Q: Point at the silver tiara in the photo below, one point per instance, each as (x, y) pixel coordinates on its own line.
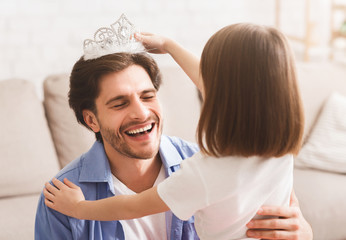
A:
(118, 38)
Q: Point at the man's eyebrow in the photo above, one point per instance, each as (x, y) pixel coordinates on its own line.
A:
(115, 99)
(149, 91)
(120, 97)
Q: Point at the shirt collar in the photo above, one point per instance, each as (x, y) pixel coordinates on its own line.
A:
(170, 157)
(96, 168)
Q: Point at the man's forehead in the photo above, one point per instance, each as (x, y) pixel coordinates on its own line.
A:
(130, 75)
(131, 80)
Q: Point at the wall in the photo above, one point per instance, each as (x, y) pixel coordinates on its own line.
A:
(41, 37)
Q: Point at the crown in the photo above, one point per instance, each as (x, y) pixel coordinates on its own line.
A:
(118, 38)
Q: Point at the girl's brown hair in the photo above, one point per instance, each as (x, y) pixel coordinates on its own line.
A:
(252, 103)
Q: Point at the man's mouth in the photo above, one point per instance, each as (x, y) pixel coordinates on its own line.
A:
(141, 131)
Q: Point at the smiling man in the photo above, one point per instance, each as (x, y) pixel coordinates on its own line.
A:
(128, 117)
(115, 97)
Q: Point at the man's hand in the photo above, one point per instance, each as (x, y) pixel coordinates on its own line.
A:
(290, 224)
(63, 198)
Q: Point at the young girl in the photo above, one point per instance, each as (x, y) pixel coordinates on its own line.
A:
(250, 125)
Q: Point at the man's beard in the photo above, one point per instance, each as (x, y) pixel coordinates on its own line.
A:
(119, 144)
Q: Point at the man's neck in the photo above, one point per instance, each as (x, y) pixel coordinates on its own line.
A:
(137, 174)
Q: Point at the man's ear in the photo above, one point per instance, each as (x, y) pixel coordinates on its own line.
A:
(91, 120)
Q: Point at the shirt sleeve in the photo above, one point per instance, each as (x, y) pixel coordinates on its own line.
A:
(184, 191)
(50, 224)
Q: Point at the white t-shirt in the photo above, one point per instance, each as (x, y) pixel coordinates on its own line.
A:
(225, 193)
(150, 227)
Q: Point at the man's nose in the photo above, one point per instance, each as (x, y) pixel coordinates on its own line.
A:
(139, 110)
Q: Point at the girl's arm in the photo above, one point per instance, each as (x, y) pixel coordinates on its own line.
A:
(69, 200)
(186, 60)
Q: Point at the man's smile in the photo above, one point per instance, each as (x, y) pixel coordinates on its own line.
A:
(141, 130)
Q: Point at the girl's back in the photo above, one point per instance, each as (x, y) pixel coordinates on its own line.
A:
(233, 189)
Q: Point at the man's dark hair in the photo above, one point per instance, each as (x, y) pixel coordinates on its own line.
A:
(86, 75)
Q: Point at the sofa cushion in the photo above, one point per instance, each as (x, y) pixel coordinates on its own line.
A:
(70, 138)
(325, 148)
(18, 217)
(28, 157)
(322, 200)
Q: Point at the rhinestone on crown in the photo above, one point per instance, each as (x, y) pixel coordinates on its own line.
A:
(118, 38)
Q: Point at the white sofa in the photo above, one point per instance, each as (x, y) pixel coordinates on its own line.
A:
(38, 139)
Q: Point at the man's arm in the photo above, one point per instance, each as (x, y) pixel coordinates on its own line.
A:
(291, 223)
(50, 224)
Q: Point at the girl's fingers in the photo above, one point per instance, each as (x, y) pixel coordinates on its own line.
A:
(70, 184)
(145, 34)
(49, 196)
(47, 202)
(58, 183)
(138, 36)
(142, 36)
(145, 38)
(52, 189)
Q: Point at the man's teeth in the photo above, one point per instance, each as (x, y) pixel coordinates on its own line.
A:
(140, 130)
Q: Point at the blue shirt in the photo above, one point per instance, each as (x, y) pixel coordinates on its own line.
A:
(92, 173)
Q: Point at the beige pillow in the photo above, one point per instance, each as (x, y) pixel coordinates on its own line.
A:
(325, 148)
(28, 157)
(316, 82)
(70, 138)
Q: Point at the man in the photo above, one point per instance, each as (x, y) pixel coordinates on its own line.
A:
(115, 96)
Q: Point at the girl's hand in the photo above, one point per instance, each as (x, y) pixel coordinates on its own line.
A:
(62, 197)
(186, 60)
(153, 43)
